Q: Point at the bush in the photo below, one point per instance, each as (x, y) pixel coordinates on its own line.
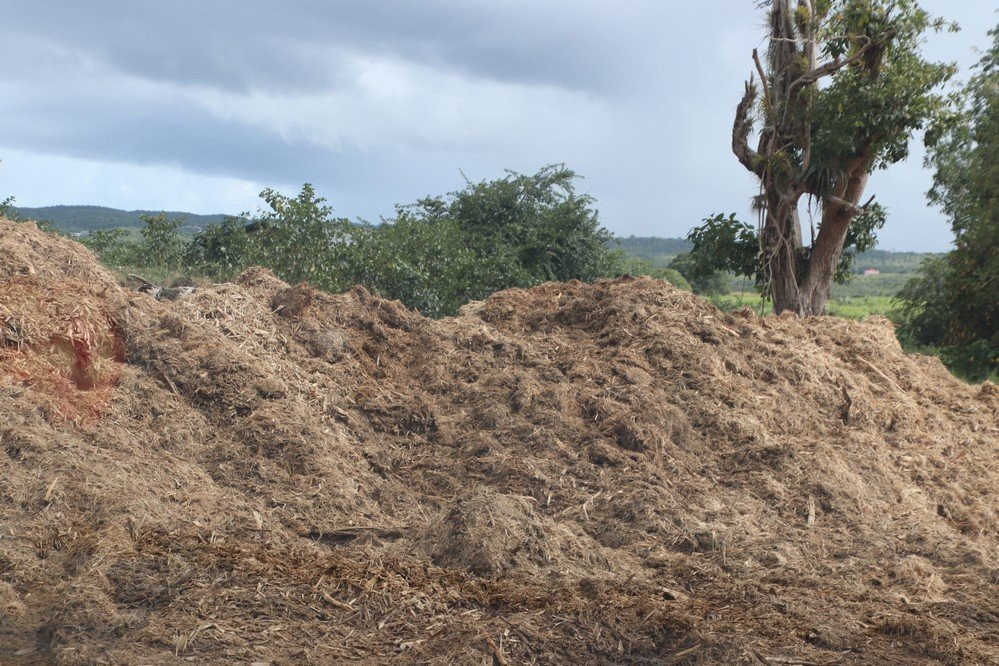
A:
(434, 255)
(704, 281)
(162, 245)
(220, 251)
(110, 246)
(300, 239)
(516, 231)
(425, 263)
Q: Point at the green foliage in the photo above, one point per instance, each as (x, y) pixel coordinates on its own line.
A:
(7, 208)
(161, 245)
(954, 303)
(674, 277)
(844, 89)
(424, 262)
(516, 231)
(158, 245)
(435, 255)
(871, 108)
(300, 239)
(703, 282)
(220, 251)
(737, 300)
(526, 229)
(848, 307)
(977, 360)
(923, 308)
(110, 246)
(728, 245)
(860, 237)
(860, 307)
(723, 244)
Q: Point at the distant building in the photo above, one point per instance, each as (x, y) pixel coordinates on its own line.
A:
(871, 271)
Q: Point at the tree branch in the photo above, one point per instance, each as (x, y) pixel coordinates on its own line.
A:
(741, 128)
(830, 67)
(766, 91)
(847, 208)
(826, 69)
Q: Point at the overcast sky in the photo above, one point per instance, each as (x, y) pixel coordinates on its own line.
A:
(198, 105)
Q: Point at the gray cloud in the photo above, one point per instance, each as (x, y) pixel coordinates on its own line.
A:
(288, 46)
(380, 102)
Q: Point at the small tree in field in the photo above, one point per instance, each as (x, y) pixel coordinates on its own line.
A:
(7, 208)
(162, 245)
(841, 89)
(300, 239)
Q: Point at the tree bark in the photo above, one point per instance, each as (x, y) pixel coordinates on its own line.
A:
(838, 212)
(782, 248)
(800, 278)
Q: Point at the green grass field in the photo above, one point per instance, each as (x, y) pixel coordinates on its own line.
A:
(850, 307)
(885, 284)
(862, 296)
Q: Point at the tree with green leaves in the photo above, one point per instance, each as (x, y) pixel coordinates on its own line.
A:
(525, 229)
(300, 239)
(162, 244)
(220, 251)
(954, 302)
(425, 263)
(841, 89)
(516, 231)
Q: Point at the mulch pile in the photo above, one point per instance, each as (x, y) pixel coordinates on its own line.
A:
(575, 473)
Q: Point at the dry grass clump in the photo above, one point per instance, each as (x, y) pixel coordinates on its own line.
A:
(605, 473)
(919, 578)
(490, 534)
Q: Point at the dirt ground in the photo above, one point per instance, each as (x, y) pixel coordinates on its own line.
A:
(575, 473)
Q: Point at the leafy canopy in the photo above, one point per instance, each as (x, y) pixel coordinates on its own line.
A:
(161, 244)
(954, 303)
(434, 255)
(874, 105)
(876, 90)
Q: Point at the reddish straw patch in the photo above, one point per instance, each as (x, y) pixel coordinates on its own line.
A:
(58, 338)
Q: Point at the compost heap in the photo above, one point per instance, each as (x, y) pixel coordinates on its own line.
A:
(574, 473)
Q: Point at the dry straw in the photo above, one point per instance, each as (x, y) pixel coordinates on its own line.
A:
(573, 473)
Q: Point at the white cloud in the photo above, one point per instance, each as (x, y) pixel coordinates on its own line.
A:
(33, 177)
(390, 103)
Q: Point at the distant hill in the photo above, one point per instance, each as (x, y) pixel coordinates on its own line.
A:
(660, 251)
(887, 261)
(81, 219)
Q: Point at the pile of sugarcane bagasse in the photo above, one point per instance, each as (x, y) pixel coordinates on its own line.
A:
(614, 472)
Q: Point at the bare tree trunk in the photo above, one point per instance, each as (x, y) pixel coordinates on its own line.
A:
(838, 212)
(782, 250)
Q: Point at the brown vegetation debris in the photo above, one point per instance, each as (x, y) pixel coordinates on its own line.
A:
(575, 473)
